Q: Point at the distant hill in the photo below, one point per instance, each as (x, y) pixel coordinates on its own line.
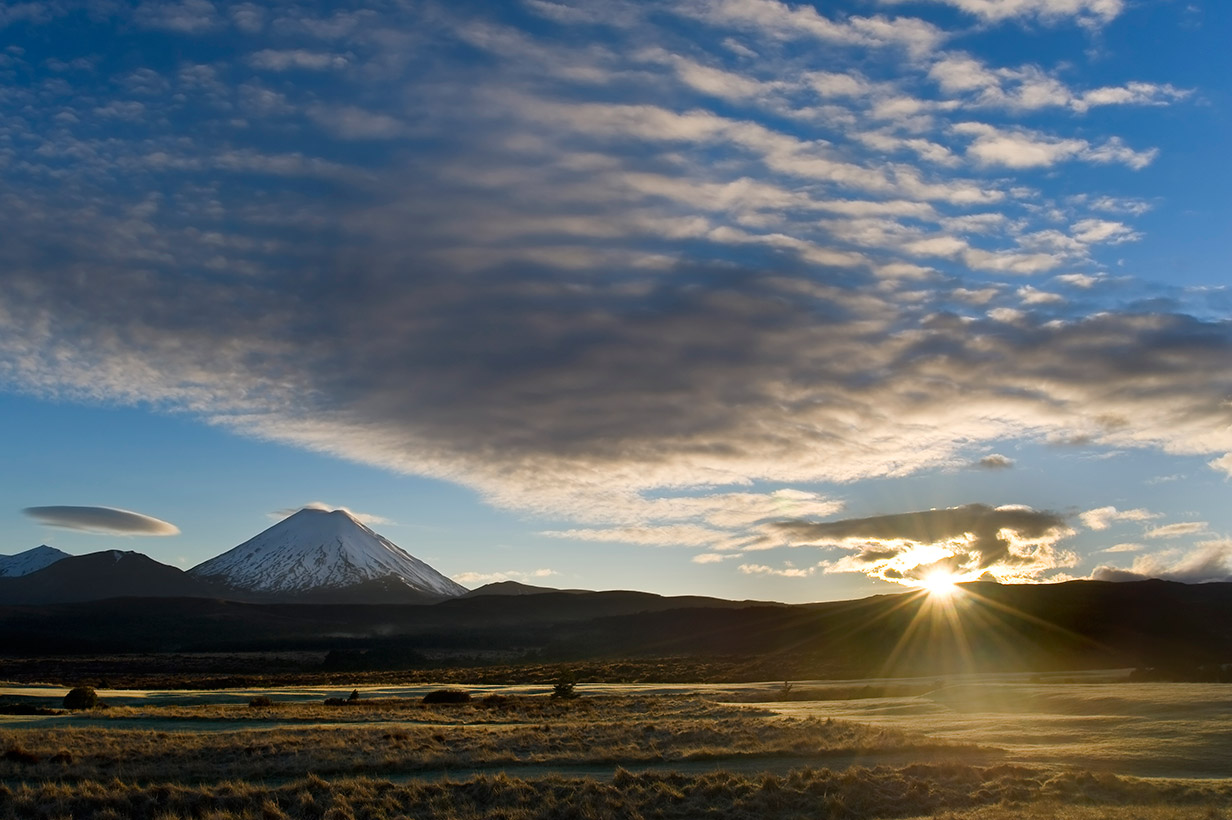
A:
(99, 575)
(508, 588)
(32, 560)
(991, 627)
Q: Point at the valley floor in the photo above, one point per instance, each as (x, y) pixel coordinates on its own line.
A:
(514, 754)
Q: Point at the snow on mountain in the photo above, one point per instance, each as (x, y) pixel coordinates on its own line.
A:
(315, 550)
(32, 560)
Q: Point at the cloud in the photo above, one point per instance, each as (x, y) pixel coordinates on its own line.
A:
(714, 557)
(1103, 517)
(478, 579)
(301, 59)
(634, 286)
(1021, 148)
(101, 520)
(363, 518)
(787, 571)
(1223, 463)
(1211, 561)
(185, 17)
(659, 536)
(968, 542)
(1176, 530)
(1086, 12)
(995, 461)
(1029, 87)
(783, 21)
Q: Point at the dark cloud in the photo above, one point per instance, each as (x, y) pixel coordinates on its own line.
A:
(968, 542)
(105, 520)
(560, 296)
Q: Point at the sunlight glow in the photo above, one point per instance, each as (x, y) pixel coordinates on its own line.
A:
(939, 584)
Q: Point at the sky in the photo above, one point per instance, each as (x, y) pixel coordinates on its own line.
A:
(744, 298)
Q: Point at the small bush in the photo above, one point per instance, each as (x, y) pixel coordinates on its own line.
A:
(82, 697)
(354, 695)
(447, 696)
(563, 689)
(16, 754)
(261, 702)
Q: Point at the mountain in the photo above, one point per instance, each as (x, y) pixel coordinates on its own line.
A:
(325, 556)
(100, 575)
(32, 560)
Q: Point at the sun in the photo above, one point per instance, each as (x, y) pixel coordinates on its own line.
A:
(939, 584)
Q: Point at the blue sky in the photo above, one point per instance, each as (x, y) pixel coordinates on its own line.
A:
(744, 298)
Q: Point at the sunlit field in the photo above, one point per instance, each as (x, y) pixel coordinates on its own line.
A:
(973, 748)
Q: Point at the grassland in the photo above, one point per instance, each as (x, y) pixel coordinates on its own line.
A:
(524, 756)
(398, 737)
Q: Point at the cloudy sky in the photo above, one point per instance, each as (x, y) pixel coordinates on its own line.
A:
(733, 297)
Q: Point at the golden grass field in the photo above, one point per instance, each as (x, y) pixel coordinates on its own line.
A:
(969, 751)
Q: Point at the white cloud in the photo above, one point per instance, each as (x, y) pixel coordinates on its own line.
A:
(714, 557)
(1176, 530)
(786, 571)
(477, 579)
(364, 518)
(781, 20)
(1223, 464)
(1103, 517)
(1086, 12)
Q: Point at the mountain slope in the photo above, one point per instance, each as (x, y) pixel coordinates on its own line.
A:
(100, 575)
(32, 560)
(314, 552)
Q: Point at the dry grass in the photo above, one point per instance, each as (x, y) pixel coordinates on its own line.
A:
(950, 792)
(374, 738)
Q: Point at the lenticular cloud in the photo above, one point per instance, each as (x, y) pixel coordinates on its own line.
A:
(105, 520)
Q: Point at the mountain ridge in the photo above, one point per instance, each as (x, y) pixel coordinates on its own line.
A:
(31, 560)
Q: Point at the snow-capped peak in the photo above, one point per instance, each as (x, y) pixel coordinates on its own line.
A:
(32, 560)
(320, 549)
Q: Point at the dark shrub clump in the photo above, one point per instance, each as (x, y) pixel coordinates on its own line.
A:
(447, 696)
(19, 755)
(261, 702)
(82, 697)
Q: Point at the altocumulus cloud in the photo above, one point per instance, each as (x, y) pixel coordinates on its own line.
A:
(107, 520)
(601, 265)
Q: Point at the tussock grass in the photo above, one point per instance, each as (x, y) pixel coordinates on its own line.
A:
(402, 738)
(950, 792)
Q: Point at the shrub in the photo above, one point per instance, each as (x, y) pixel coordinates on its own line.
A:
(261, 702)
(447, 696)
(82, 697)
(563, 689)
(20, 755)
(354, 695)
